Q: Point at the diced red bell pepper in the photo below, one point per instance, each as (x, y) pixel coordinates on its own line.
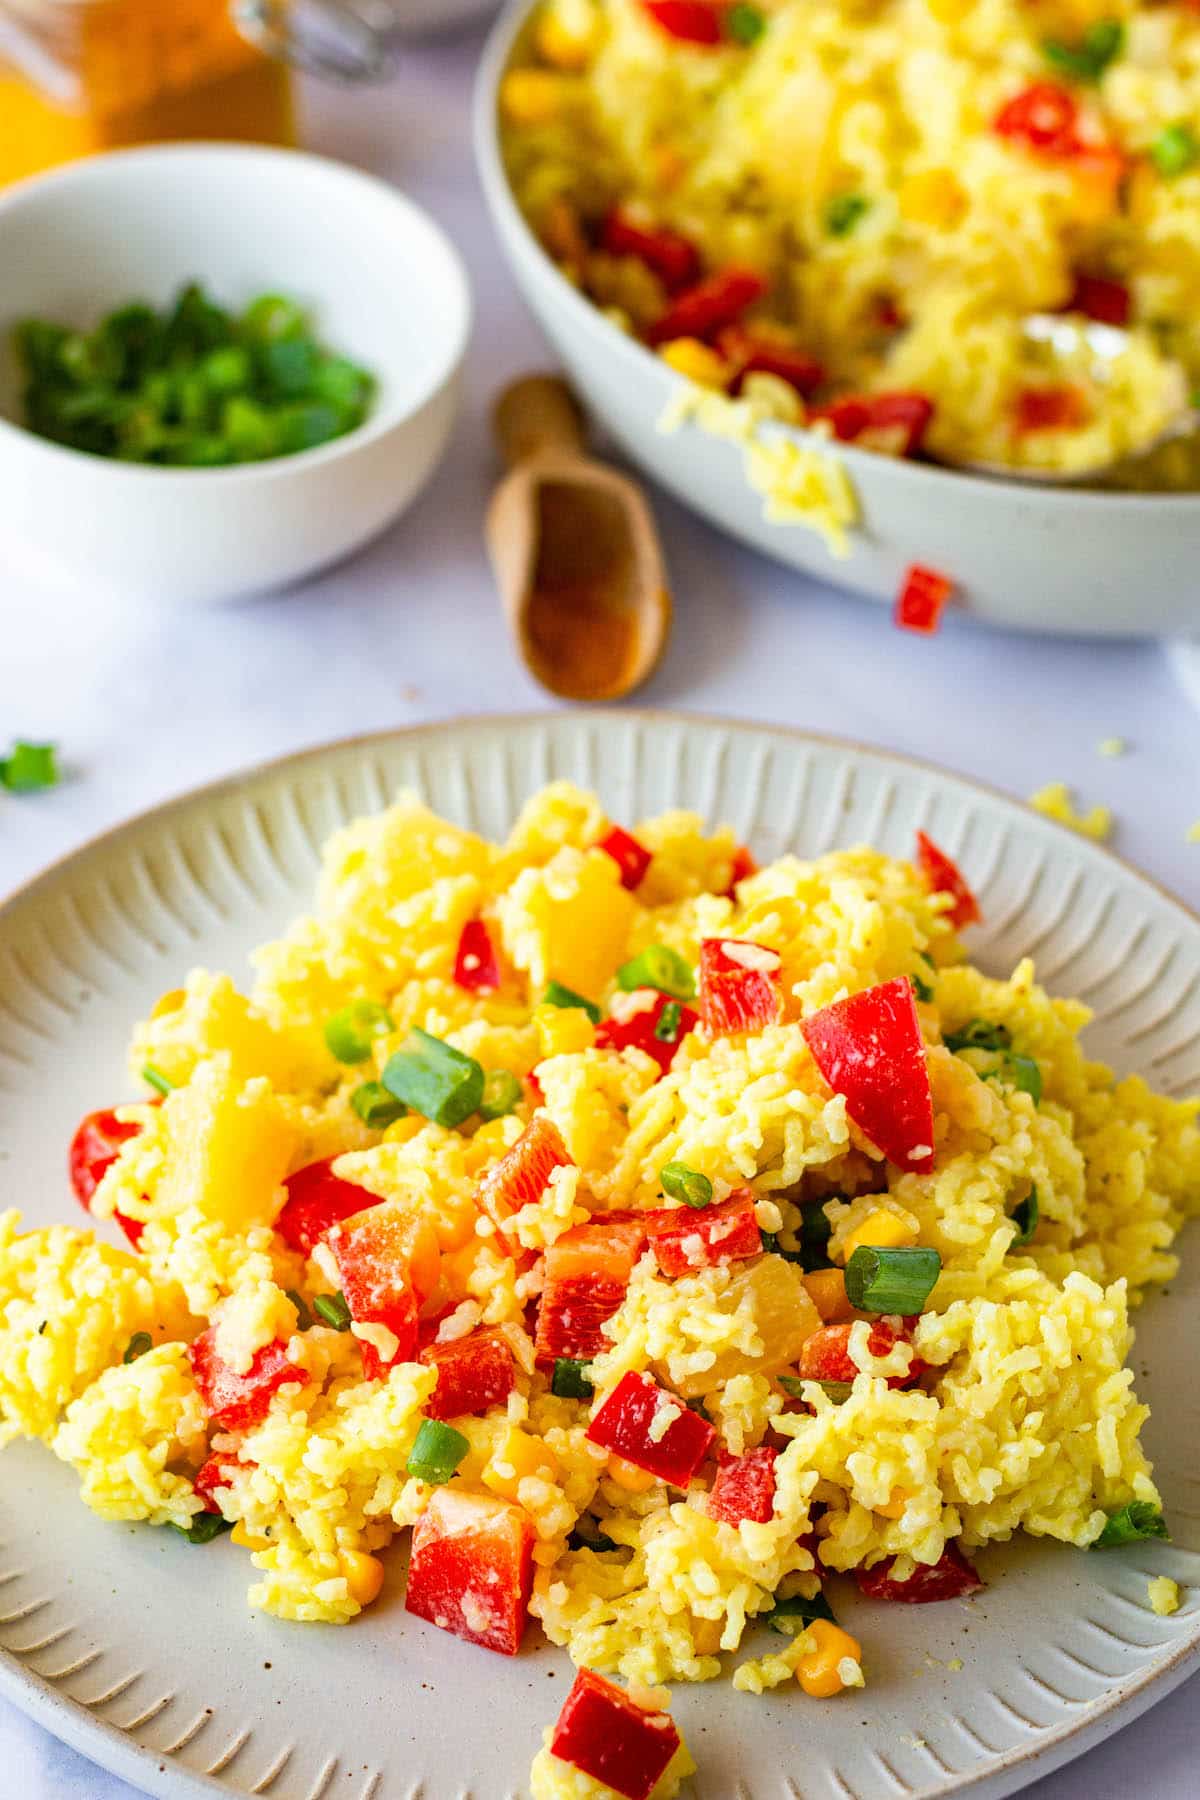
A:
(740, 988)
(826, 1354)
(685, 1239)
(745, 1487)
(94, 1149)
(892, 422)
(1101, 299)
(476, 964)
(238, 1402)
(473, 1373)
(637, 1028)
(760, 353)
(674, 259)
(471, 1568)
(922, 600)
(519, 1178)
(952, 1577)
(945, 877)
(534, 1087)
(632, 858)
(1062, 407)
(741, 868)
(389, 1263)
(691, 21)
(870, 1050)
(586, 1273)
(317, 1199)
(623, 1425)
(1044, 117)
(713, 303)
(601, 1731)
(212, 1476)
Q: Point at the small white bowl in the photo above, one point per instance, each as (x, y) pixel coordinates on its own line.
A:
(385, 286)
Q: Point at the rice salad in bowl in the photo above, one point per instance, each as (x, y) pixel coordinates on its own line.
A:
(846, 212)
(666, 1243)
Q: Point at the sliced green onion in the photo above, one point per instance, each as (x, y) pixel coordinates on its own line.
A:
(669, 1020)
(770, 1242)
(792, 1615)
(157, 1080)
(375, 1106)
(658, 966)
(698, 1407)
(570, 1380)
(1026, 1076)
(792, 1384)
(686, 1184)
(501, 1094)
(814, 1235)
(351, 1033)
(1175, 149)
(744, 24)
(436, 1080)
(304, 1317)
(1025, 1217)
(333, 1309)
(204, 1528)
(558, 995)
(979, 1034)
(436, 1453)
(843, 212)
(578, 1540)
(1130, 1524)
(922, 985)
(837, 1391)
(892, 1281)
(1087, 60)
(30, 768)
(139, 1343)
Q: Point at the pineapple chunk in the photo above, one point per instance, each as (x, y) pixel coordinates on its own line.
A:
(569, 921)
(784, 1317)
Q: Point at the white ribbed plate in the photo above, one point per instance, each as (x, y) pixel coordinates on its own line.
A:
(138, 1648)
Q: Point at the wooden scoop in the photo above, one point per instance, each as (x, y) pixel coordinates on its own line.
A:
(575, 551)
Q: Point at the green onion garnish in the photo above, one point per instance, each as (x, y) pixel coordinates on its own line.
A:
(578, 1540)
(922, 986)
(698, 1407)
(333, 1309)
(1130, 1524)
(744, 24)
(837, 1391)
(1175, 149)
(892, 1281)
(436, 1080)
(669, 1020)
(570, 1380)
(157, 1080)
(792, 1615)
(770, 1242)
(686, 1184)
(658, 966)
(139, 1343)
(436, 1453)
(1025, 1075)
(814, 1235)
(843, 212)
(1087, 60)
(304, 1317)
(558, 995)
(792, 1384)
(29, 768)
(1025, 1217)
(979, 1034)
(351, 1033)
(375, 1106)
(204, 1528)
(501, 1094)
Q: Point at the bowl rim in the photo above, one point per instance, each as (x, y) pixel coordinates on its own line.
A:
(641, 361)
(377, 425)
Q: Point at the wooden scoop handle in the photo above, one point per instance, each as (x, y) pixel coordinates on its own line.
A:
(539, 413)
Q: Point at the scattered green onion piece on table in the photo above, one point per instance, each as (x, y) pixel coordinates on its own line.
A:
(139, 1343)
(843, 212)
(792, 1615)
(30, 768)
(1175, 149)
(304, 1317)
(558, 995)
(658, 966)
(157, 1080)
(501, 1094)
(892, 1280)
(204, 1528)
(375, 1106)
(435, 1079)
(436, 1453)
(1131, 1524)
(1087, 60)
(685, 1184)
(669, 1021)
(979, 1034)
(744, 24)
(333, 1310)
(350, 1033)
(570, 1380)
(1025, 1217)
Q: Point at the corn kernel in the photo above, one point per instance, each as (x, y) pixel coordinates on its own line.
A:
(533, 96)
(169, 1002)
(247, 1539)
(563, 1029)
(364, 1575)
(400, 1131)
(882, 1231)
(629, 1476)
(818, 1671)
(567, 34)
(932, 197)
(895, 1505)
(689, 357)
(517, 1456)
(827, 1291)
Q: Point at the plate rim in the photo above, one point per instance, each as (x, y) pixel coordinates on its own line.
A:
(113, 1749)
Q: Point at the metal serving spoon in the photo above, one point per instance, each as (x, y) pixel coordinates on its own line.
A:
(1067, 337)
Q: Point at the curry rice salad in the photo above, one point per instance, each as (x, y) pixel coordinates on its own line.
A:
(666, 1242)
(843, 211)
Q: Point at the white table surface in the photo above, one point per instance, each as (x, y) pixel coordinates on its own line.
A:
(144, 707)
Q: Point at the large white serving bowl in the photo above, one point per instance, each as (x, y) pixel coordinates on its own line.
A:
(385, 286)
(1032, 558)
